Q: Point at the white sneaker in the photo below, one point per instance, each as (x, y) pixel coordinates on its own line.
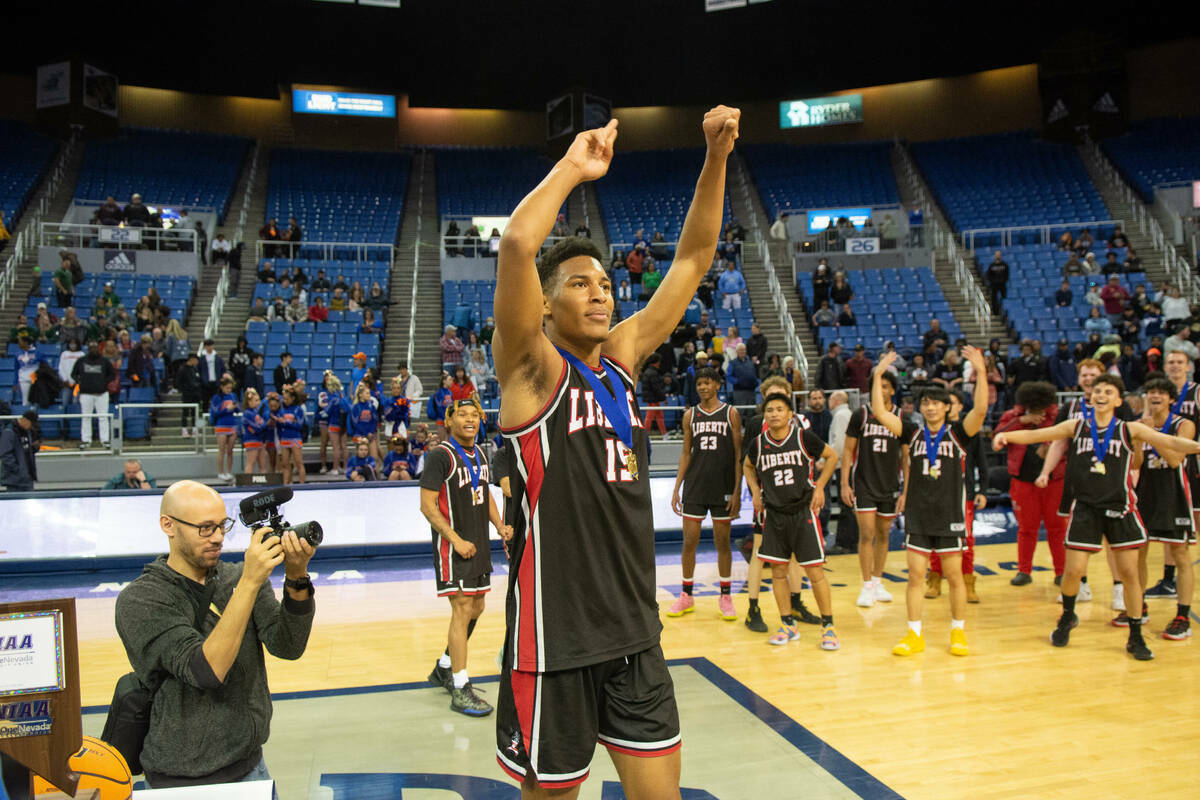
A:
(882, 595)
(866, 598)
(1118, 597)
(324, 470)
(1085, 593)
(184, 432)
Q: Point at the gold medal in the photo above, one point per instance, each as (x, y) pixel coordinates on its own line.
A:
(935, 472)
(1098, 467)
(630, 462)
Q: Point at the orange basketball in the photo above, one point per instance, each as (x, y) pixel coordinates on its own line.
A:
(100, 766)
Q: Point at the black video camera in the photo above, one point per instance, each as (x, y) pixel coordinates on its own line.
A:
(263, 509)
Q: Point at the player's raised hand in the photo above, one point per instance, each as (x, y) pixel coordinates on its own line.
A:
(592, 151)
(721, 129)
(975, 356)
(887, 359)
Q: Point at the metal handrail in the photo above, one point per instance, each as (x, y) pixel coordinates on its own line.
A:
(213, 324)
(362, 247)
(779, 300)
(77, 234)
(968, 236)
(114, 438)
(412, 311)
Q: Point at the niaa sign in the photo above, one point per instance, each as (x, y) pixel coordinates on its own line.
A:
(820, 111)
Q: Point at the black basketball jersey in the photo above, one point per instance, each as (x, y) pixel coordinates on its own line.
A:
(1164, 497)
(937, 492)
(785, 469)
(1112, 489)
(466, 507)
(753, 426)
(1073, 409)
(710, 471)
(581, 584)
(876, 466)
(1187, 405)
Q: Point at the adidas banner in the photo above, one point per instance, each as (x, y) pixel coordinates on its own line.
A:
(120, 261)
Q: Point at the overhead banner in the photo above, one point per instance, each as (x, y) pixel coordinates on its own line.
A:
(819, 219)
(349, 104)
(99, 90)
(817, 112)
(54, 84)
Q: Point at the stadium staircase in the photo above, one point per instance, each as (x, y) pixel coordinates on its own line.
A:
(57, 195)
(1119, 201)
(914, 191)
(745, 202)
(419, 224)
(165, 431)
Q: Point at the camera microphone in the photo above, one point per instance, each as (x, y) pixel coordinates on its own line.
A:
(257, 507)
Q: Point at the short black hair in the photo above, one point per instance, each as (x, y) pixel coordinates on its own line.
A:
(886, 375)
(653, 360)
(1036, 395)
(569, 247)
(1158, 382)
(402, 364)
(783, 398)
(708, 373)
(938, 393)
(207, 342)
(1111, 380)
(284, 354)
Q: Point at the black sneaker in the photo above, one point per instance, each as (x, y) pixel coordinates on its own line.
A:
(1163, 589)
(1021, 579)
(1058, 580)
(1122, 619)
(1137, 648)
(466, 701)
(754, 621)
(802, 614)
(443, 677)
(1180, 628)
(1062, 633)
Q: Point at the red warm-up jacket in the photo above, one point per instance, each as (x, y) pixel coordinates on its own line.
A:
(1011, 421)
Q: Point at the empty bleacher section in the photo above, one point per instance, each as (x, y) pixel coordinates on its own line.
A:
(165, 167)
(24, 156)
(891, 305)
(339, 197)
(652, 190)
(1009, 180)
(1155, 152)
(487, 180)
(1035, 275)
(793, 177)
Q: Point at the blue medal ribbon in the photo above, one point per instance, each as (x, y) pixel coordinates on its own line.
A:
(1163, 430)
(473, 466)
(931, 447)
(616, 412)
(1100, 449)
(1178, 404)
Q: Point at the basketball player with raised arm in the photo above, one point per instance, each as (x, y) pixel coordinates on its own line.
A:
(935, 511)
(779, 467)
(872, 462)
(582, 661)
(1100, 455)
(1165, 499)
(710, 469)
(458, 504)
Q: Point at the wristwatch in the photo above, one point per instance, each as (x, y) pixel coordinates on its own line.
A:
(300, 584)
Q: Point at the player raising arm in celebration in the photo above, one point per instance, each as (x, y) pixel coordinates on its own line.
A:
(935, 511)
(582, 661)
(1099, 458)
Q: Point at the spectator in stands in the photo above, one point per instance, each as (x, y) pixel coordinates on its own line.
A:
(770, 366)
(410, 384)
(479, 371)
(582, 230)
(1066, 241)
(239, 359)
(453, 243)
(651, 280)
(64, 284)
(1139, 301)
(140, 368)
(258, 312)
(1117, 239)
(705, 332)
(376, 300)
(1115, 297)
(451, 348)
(284, 373)
(1111, 266)
(731, 284)
(396, 411)
(321, 283)
(624, 292)
(317, 312)
(1084, 243)
(133, 477)
(743, 377)
(1092, 296)
(1090, 265)
(270, 233)
(756, 345)
(399, 464)
(461, 387)
(934, 340)
(1097, 322)
(887, 233)
(266, 272)
(46, 324)
(338, 302)
(66, 365)
(918, 374)
(191, 388)
(1029, 366)
(823, 317)
(858, 370)
(822, 281)
(136, 214)
(295, 311)
(470, 241)
(1128, 326)
(110, 212)
(27, 362)
(1174, 307)
(846, 317)
(440, 400)
(949, 371)
(294, 236)
(733, 338)
(634, 262)
(792, 375)
(868, 229)
(212, 367)
(361, 466)
(1061, 366)
(658, 246)
(124, 342)
(1072, 266)
(831, 372)
(1132, 262)
(356, 300)
(1108, 352)
(1063, 297)
(221, 248)
(916, 227)
(818, 416)
(997, 280)
(840, 292)
(831, 236)
(655, 385)
(21, 329)
(369, 324)
(253, 377)
(1181, 341)
(487, 331)
(1129, 365)
(19, 444)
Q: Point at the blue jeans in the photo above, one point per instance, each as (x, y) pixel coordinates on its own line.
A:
(260, 773)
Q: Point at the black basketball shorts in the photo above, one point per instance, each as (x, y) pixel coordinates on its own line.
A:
(699, 511)
(881, 503)
(942, 545)
(548, 723)
(1089, 527)
(453, 573)
(1194, 485)
(1179, 534)
(786, 534)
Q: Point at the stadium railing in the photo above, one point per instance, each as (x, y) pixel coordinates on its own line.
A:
(9, 279)
(363, 251)
(72, 234)
(1046, 234)
(218, 304)
(968, 286)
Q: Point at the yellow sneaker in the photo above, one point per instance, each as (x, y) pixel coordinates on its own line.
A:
(912, 642)
(958, 642)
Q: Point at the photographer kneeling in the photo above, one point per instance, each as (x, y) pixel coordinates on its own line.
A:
(211, 712)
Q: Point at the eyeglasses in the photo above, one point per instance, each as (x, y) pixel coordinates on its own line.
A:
(207, 529)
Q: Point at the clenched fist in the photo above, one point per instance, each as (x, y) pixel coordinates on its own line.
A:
(721, 129)
(592, 151)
